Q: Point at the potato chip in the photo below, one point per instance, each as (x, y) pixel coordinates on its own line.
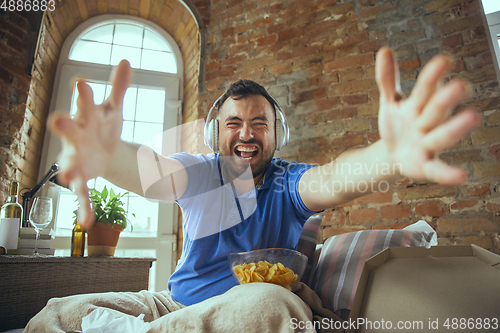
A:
(264, 271)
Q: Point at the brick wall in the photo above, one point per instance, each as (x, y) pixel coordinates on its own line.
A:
(317, 58)
(18, 32)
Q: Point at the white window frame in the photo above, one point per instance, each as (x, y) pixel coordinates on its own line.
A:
(493, 23)
(166, 241)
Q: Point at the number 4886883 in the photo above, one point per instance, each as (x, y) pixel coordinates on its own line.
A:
(28, 5)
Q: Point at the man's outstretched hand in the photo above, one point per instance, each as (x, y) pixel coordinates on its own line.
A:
(414, 130)
(91, 137)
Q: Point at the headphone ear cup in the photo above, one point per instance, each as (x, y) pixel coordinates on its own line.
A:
(207, 134)
(215, 135)
(279, 134)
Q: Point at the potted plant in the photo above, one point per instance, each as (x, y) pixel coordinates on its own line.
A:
(110, 221)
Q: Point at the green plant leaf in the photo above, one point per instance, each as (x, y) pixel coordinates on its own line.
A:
(108, 209)
(113, 195)
(104, 194)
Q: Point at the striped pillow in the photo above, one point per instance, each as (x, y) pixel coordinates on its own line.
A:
(342, 258)
(307, 243)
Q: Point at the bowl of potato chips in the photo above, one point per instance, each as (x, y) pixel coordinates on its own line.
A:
(283, 267)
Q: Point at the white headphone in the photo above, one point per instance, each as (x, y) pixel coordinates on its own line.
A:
(211, 132)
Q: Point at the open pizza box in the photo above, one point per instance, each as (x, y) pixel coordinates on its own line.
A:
(429, 290)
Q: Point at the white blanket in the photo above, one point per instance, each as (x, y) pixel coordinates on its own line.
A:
(255, 307)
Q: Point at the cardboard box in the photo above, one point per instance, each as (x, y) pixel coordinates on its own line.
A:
(441, 289)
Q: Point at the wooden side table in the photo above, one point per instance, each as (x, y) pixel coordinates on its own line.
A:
(28, 282)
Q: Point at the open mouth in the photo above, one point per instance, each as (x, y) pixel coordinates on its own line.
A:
(246, 151)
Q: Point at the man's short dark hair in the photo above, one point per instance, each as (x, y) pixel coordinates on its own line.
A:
(244, 88)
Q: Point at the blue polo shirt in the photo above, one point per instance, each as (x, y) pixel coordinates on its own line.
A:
(217, 221)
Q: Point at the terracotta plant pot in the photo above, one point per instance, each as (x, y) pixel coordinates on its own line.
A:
(102, 239)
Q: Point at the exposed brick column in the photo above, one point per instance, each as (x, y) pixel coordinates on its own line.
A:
(17, 35)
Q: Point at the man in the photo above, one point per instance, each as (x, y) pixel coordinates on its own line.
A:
(239, 200)
(413, 131)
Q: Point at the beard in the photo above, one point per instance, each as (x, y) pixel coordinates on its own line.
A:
(236, 167)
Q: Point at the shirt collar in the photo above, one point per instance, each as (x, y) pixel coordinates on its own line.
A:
(261, 185)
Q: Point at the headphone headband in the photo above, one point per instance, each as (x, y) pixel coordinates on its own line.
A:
(211, 130)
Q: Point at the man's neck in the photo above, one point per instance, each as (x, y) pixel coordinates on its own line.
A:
(259, 180)
(243, 186)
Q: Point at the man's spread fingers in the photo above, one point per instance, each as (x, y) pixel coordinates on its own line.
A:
(68, 163)
(85, 209)
(450, 132)
(62, 125)
(385, 74)
(442, 173)
(428, 80)
(85, 102)
(121, 79)
(441, 105)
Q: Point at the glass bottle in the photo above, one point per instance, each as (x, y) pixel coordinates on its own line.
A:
(78, 241)
(11, 214)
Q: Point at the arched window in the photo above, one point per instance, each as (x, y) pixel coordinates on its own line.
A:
(108, 42)
(152, 105)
